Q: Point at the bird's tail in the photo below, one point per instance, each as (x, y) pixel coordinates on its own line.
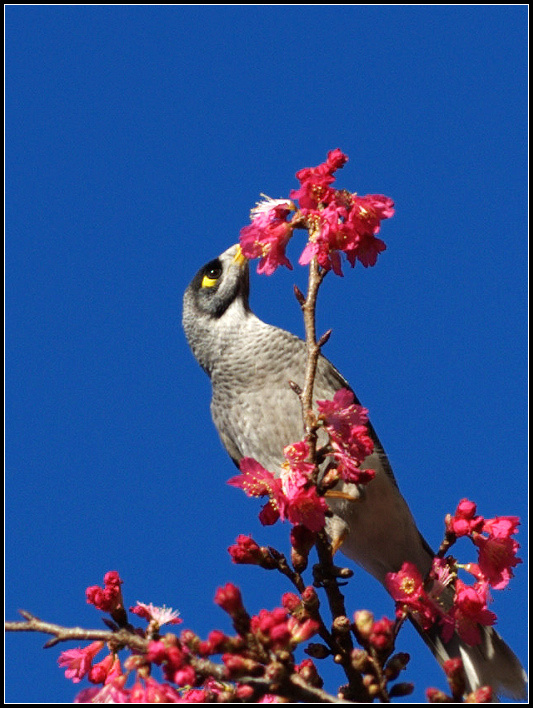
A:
(489, 663)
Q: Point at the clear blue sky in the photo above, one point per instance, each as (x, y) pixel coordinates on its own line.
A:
(137, 139)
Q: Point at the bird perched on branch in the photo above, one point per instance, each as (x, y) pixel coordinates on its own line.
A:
(256, 413)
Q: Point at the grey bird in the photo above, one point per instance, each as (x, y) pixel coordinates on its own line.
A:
(256, 414)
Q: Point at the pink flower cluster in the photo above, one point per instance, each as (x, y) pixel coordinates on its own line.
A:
(108, 675)
(268, 235)
(109, 597)
(291, 496)
(497, 550)
(281, 629)
(337, 222)
(273, 632)
(345, 422)
(378, 634)
(247, 552)
(469, 610)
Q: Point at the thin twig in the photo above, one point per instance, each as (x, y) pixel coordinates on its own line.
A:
(121, 637)
(316, 276)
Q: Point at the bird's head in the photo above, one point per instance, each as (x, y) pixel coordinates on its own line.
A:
(216, 297)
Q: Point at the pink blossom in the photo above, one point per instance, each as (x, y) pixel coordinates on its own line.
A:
(269, 698)
(327, 236)
(78, 661)
(160, 692)
(108, 598)
(194, 695)
(268, 234)
(160, 615)
(302, 631)
(100, 671)
(465, 521)
(382, 634)
(497, 557)
(256, 481)
(368, 249)
(186, 676)
(87, 695)
(314, 187)
(344, 419)
(277, 630)
(289, 497)
(306, 507)
(345, 422)
(441, 576)
(299, 502)
(307, 669)
(297, 456)
(216, 643)
(501, 526)
(336, 159)
(293, 480)
(157, 652)
(246, 551)
(483, 694)
(270, 513)
(347, 224)
(229, 599)
(468, 612)
(407, 589)
(337, 222)
(314, 181)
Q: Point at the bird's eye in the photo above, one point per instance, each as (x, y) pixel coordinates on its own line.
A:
(211, 275)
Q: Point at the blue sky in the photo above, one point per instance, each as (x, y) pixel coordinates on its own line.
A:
(137, 140)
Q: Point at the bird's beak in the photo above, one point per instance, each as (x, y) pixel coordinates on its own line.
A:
(239, 259)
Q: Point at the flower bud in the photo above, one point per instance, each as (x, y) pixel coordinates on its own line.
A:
(187, 637)
(341, 625)
(317, 651)
(363, 620)
(185, 676)
(435, 695)
(245, 551)
(298, 560)
(401, 689)
(240, 666)
(395, 665)
(359, 659)
(310, 598)
(302, 539)
(244, 692)
(455, 673)
(275, 671)
(482, 695)
(309, 673)
(304, 631)
(229, 599)
(290, 601)
(382, 635)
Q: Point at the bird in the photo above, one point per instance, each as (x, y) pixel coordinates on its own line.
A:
(257, 413)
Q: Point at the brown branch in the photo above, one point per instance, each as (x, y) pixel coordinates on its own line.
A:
(119, 638)
(316, 276)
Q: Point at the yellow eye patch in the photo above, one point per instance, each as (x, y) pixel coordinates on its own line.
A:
(208, 282)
